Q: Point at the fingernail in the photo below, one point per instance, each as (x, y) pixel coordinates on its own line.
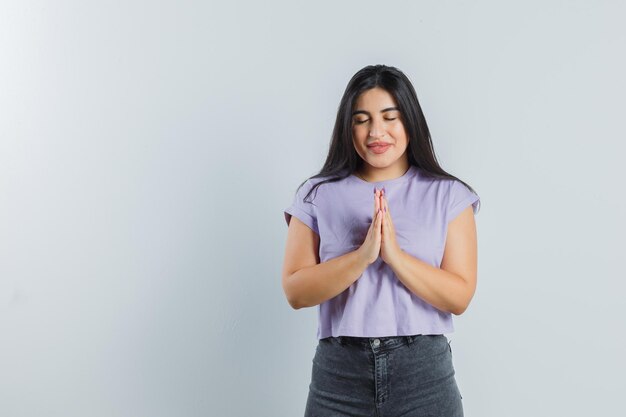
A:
(374, 190)
(383, 190)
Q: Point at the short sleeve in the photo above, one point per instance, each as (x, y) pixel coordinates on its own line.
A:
(303, 210)
(459, 197)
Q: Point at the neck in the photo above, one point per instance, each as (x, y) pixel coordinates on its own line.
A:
(382, 174)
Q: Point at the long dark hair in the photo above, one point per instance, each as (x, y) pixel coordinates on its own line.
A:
(343, 160)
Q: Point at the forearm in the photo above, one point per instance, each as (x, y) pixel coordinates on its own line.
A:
(442, 289)
(311, 286)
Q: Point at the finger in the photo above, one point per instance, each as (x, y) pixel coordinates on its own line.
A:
(383, 204)
(387, 213)
(384, 229)
(376, 202)
(387, 224)
(373, 225)
(386, 206)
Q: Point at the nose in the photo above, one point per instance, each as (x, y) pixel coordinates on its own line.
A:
(377, 131)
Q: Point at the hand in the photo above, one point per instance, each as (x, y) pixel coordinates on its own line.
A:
(389, 250)
(370, 249)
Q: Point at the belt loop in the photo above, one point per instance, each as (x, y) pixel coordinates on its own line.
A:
(341, 340)
(409, 340)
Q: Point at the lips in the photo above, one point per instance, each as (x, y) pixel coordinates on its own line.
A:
(369, 145)
(379, 147)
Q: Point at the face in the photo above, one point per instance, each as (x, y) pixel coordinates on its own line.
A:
(376, 119)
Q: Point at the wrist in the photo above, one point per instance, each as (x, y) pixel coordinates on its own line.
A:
(361, 258)
(397, 258)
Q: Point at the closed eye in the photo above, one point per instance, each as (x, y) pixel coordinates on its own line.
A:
(358, 122)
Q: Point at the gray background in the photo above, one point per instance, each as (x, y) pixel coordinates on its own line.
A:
(148, 149)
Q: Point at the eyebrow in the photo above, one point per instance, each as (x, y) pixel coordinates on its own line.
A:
(366, 112)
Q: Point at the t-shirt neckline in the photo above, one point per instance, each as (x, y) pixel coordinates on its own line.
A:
(392, 181)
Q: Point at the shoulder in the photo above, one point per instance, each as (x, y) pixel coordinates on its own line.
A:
(459, 197)
(448, 185)
(326, 183)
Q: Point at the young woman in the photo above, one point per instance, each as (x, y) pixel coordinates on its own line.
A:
(383, 240)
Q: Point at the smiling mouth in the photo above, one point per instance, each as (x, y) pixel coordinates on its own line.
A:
(378, 149)
(378, 144)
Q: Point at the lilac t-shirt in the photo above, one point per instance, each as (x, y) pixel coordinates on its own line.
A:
(378, 304)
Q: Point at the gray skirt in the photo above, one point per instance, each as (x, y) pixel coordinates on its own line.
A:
(383, 377)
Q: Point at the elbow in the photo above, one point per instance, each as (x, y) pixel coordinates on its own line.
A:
(297, 303)
(295, 296)
(294, 301)
(294, 304)
(289, 294)
(460, 307)
(457, 311)
(463, 302)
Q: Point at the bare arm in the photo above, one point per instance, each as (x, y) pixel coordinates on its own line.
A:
(451, 287)
(307, 282)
